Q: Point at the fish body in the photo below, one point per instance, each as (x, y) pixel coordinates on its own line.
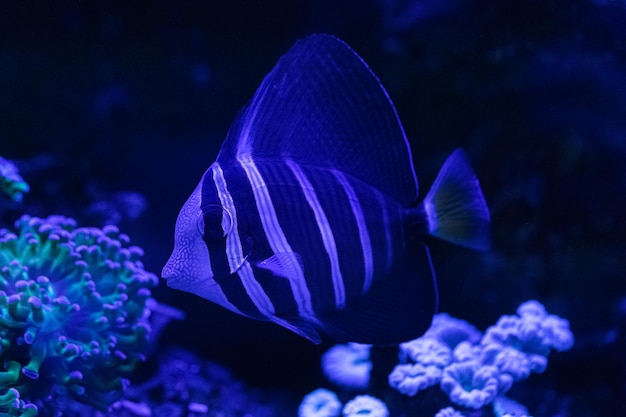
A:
(310, 218)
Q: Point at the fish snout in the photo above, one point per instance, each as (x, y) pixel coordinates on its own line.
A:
(168, 271)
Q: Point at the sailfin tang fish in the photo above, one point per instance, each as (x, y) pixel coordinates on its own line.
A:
(310, 217)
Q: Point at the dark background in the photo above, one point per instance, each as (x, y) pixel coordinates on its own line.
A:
(101, 98)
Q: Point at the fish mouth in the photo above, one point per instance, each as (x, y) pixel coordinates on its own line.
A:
(168, 272)
(181, 280)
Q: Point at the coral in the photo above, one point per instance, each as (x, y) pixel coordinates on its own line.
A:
(12, 186)
(409, 379)
(512, 361)
(506, 407)
(519, 345)
(448, 412)
(465, 351)
(470, 384)
(427, 351)
(320, 403)
(533, 330)
(430, 354)
(473, 368)
(452, 331)
(348, 365)
(73, 313)
(365, 405)
(547, 331)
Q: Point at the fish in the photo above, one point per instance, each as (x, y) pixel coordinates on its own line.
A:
(310, 218)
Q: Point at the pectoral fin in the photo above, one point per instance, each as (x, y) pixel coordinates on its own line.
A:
(283, 264)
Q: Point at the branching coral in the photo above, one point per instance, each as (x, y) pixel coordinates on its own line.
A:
(12, 186)
(410, 378)
(73, 314)
(470, 384)
(427, 351)
(519, 345)
(473, 368)
(430, 354)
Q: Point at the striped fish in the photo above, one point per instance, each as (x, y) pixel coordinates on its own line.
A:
(310, 217)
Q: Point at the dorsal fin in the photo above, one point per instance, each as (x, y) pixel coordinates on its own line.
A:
(321, 105)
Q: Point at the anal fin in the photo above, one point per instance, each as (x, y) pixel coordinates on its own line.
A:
(301, 327)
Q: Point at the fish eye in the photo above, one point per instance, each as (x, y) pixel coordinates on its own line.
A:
(227, 221)
(216, 222)
(200, 224)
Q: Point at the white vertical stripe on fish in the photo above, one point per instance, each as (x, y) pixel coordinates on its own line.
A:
(325, 231)
(275, 236)
(236, 258)
(364, 237)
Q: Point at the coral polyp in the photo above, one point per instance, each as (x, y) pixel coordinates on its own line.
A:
(73, 313)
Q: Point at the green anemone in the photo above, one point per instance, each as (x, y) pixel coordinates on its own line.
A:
(73, 313)
(12, 186)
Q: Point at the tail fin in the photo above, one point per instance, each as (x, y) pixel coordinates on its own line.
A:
(455, 207)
